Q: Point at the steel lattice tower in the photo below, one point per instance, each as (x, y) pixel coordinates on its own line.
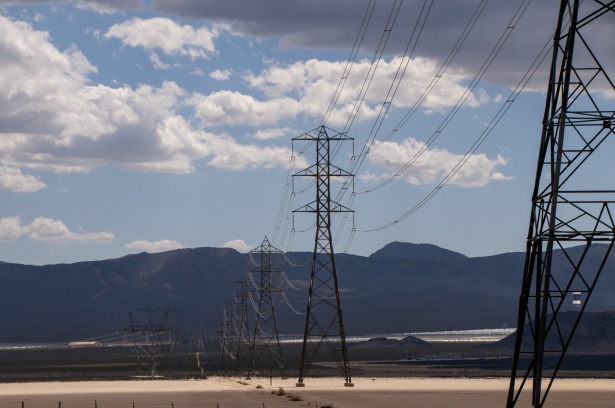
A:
(323, 322)
(244, 344)
(232, 332)
(571, 207)
(152, 340)
(266, 338)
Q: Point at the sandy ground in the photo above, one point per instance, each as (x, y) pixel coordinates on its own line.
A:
(226, 392)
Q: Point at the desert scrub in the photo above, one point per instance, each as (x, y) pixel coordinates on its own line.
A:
(295, 397)
(258, 387)
(280, 391)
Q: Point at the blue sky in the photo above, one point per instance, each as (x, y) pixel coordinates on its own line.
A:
(132, 126)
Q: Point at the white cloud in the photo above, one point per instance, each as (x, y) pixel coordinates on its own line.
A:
(53, 119)
(156, 246)
(238, 244)
(307, 87)
(219, 75)
(166, 35)
(108, 6)
(12, 179)
(10, 228)
(312, 83)
(434, 164)
(157, 62)
(47, 229)
(234, 108)
(234, 156)
(265, 134)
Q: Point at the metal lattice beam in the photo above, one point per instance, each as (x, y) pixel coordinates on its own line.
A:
(571, 207)
(324, 324)
(266, 339)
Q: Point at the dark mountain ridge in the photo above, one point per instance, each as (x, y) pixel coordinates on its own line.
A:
(400, 288)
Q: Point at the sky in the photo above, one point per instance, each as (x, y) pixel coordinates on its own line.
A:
(152, 125)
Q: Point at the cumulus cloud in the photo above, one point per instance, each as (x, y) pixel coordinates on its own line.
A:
(12, 179)
(108, 6)
(238, 244)
(307, 87)
(156, 246)
(54, 119)
(10, 228)
(47, 229)
(434, 164)
(166, 35)
(220, 75)
(321, 24)
(310, 85)
(234, 108)
(101, 6)
(265, 134)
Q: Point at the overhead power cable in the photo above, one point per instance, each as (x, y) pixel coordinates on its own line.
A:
(386, 105)
(399, 75)
(460, 41)
(289, 283)
(462, 99)
(384, 39)
(351, 60)
(439, 74)
(290, 305)
(501, 112)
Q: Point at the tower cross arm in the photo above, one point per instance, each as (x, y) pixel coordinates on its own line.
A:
(316, 171)
(334, 206)
(322, 132)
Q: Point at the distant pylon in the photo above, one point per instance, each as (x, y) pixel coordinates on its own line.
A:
(244, 345)
(572, 201)
(227, 357)
(266, 339)
(323, 322)
(151, 340)
(233, 333)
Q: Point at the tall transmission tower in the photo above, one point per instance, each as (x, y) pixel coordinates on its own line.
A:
(266, 340)
(227, 355)
(572, 202)
(244, 345)
(323, 322)
(233, 332)
(152, 339)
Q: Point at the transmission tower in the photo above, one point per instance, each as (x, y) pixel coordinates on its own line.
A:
(225, 346)
(323, 322)
(151, 340)
(266, 339)
(244, 344)
(571, 207)
(232, 331)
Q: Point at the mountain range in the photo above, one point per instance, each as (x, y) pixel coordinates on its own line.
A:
(400, 288)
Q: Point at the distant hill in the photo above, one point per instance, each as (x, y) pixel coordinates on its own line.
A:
(403, 250)
(595, 332)
(400, 288)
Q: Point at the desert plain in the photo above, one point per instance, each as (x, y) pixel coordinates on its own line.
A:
(222, 392)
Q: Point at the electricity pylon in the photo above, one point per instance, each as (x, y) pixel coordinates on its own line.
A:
(151, 340)
(571, 201)
(244, 344)
(266, 340)
(323, 322)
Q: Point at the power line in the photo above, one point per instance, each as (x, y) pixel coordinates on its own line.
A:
(462, 99)
(492, 124)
